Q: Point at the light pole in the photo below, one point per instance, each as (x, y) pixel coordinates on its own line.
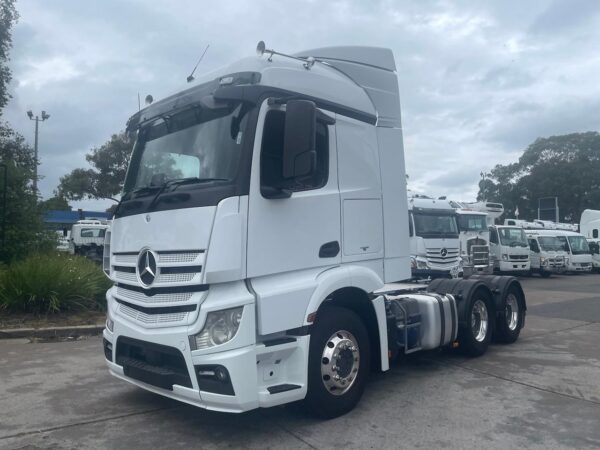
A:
(37, 119)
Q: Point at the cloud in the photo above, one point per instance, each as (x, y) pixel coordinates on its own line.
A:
(479, 81)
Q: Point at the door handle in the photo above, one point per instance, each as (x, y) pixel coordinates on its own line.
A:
(329, 249)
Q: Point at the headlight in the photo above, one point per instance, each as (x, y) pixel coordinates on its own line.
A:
(220, 327)
(543, 260)
(413, 262)
(110, 325)
(422, 264)
(504, 256)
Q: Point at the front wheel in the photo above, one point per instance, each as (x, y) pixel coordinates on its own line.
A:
(509, 324)
(338, 362)
(474, 339)
(545, 273)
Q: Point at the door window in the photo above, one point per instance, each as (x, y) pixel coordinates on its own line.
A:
(533, 245)
(493, 236)
(271, 158)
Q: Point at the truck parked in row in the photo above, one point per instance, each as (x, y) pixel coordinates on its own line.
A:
(474, 236)
(547, 254)
(509, 249)
(577, 248)
(258, 262)
(434, 238)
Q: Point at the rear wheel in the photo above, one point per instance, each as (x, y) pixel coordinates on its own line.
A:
(474, 339)
(338, 362)
(509, 324)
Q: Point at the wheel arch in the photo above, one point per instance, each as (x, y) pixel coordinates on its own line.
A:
(351, 288)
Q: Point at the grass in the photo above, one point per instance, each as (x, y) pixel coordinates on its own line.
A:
(52, 283)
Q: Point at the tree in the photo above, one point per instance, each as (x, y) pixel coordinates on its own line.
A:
(55, 203)
(105, 179)
(567, 167)
(8, 17)
(24, 229)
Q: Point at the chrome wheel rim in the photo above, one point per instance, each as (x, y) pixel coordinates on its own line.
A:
(512, 312)
(479, 320)
(340, 362)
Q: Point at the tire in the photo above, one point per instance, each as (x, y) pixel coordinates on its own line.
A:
(334, 329)
(510, 322)
(475, 338)
(545, 273)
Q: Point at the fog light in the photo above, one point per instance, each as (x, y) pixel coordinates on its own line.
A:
(504, 257)
(110, 324)
(221, 374)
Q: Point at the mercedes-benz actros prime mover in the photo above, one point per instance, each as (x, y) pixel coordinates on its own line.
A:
(262, 227)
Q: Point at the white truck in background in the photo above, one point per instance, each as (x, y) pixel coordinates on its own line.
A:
(577, 247)
(257, 263)
(547, 254)
(541, 224)
(493, 210)
(434, 238)
(87, 238)
(509, 249)
(474, 236)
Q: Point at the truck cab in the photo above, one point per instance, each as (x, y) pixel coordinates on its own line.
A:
(262, 231)
(509, 249)
(434, 238)
(547, 254)
(474, 238)
(87, 238)
(577, 248)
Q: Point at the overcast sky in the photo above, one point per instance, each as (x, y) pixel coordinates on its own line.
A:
(479, 81)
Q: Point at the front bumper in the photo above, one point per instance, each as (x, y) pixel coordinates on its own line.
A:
(251, 367)
(514, 266)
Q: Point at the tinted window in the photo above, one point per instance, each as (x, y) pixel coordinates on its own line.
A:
(271, 158)
(533, 245)
(435, 225)
(472, 222)
(93, 232)
(595, 233)
(493, 236)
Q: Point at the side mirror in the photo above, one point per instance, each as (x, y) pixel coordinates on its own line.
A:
(299, 143)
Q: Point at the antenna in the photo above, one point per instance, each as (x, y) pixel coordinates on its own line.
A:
(139, 104)
(190, 77)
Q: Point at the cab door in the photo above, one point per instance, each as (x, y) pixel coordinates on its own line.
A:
(302, 230)
(534, 254)
(495, 250)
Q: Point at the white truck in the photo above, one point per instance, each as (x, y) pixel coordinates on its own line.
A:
(474, 236)
(546, 254)
(493, 210)
(509, 249)
(577, 247)
(433, 236)
(87, 238)
(261, 231)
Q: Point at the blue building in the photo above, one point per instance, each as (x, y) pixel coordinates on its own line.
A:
(64, 220)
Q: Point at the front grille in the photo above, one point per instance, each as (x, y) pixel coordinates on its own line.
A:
(125, 258)
(128, 294)
(140, 316)
(179, 256)
(480, 255)
(129, 277)
(434, 257)
(175, 277)
(518, 257)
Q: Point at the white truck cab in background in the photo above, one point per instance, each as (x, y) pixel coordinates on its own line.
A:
(509, 249)
(589, 226)
(577, 247)
(546, 254)
(474, 235)
(87, 237)
(434, 238)
(261, 233)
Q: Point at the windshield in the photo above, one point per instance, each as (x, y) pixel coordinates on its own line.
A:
(579, 245)
(435, 225)
(551, 244)
(93, 232)
(564, 243)
(513, 237)
(199, 144)
(472, 222)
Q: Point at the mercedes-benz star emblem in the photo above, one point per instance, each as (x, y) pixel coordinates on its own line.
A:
(146, 267)
(443, 252)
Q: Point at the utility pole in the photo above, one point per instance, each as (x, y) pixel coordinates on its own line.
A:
(37, 119)
(3, 236)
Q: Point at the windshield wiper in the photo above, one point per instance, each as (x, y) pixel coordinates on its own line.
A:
(179, 182)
